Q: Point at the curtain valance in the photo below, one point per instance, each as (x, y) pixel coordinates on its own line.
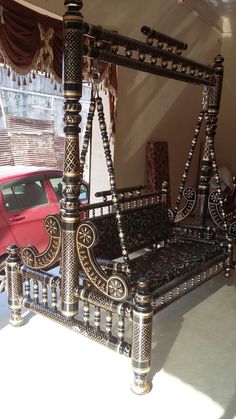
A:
(30, 40)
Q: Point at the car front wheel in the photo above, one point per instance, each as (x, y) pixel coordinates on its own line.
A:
(2, 274)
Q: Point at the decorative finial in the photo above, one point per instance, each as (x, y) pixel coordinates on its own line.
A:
(73, 5)
(219, 59)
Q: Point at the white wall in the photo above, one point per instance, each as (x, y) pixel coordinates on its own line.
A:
(149, 107)
(226, 133)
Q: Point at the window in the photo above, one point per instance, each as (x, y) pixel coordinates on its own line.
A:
(24, 195)
(31, 128)
(31, 114)
(83, 193)
(57, 186)
(9, 199)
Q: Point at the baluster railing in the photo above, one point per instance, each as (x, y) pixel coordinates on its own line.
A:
(121, 328)
(109, 322)
(54, 298)
(44, 295)
(97, 317)
(86, 312)
(36, 291)
(27, 287)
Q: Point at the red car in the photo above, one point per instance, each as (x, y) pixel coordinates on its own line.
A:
(27, 196)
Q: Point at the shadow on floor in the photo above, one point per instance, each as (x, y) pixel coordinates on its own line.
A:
(202, 354)
(168, 322)
(230, 411)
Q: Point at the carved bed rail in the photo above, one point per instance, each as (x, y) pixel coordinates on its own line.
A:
(163, 40)
(126, 202)
(99, 318)
(127, 52)
(122, 192)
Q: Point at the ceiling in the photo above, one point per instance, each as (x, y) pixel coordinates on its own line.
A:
(220, 14)
(224, 8)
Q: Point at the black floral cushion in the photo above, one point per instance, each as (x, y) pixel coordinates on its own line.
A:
(142, 227)
(169, 262)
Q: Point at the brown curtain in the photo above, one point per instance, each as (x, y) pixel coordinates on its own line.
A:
(32, 41)
(29, 40)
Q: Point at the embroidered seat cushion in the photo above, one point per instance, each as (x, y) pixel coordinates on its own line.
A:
(171, 261)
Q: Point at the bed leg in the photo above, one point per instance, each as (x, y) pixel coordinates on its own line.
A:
(14, 284)
(229, 261)
(142, 338)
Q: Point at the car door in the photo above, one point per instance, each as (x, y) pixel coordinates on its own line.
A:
(56, 186)
(6, 237)
(25, 206)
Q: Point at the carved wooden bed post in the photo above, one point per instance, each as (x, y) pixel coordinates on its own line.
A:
(142, 338)
(70, 204)
(14, 284)
(213, 105)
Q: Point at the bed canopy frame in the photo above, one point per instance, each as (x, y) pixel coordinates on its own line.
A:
(102, 283)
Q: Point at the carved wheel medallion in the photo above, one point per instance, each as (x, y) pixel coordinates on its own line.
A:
(52, 227)
(28, 257)
(87, 235)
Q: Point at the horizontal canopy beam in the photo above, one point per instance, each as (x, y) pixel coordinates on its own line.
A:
(166, 58)
(124, 61)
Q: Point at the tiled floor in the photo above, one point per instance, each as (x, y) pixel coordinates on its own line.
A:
(50, 372)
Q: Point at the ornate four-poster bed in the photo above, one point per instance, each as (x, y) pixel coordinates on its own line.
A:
(101, 290)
